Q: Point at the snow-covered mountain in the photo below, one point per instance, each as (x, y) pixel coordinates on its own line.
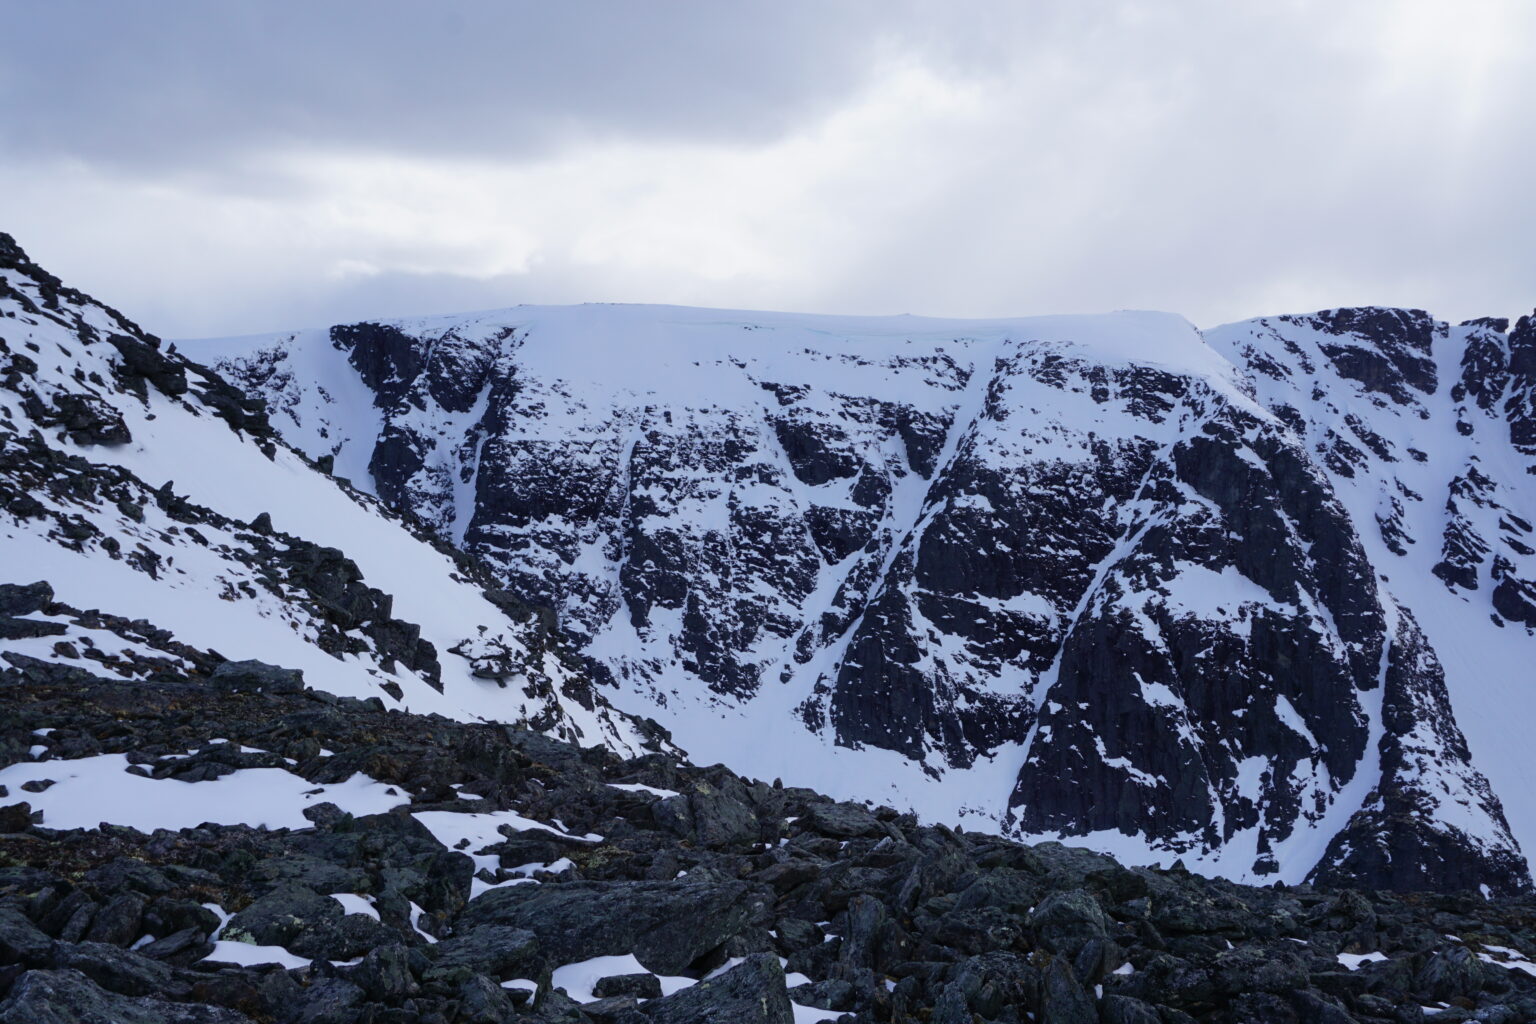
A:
(175, 532)
(1219, 596)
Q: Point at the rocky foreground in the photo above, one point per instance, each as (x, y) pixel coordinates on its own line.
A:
(586, 887)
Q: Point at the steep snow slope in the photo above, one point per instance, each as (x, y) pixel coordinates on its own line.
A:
(1424, 430)
(1078, 576)
(142, 486)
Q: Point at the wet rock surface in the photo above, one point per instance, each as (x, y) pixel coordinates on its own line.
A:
(848, 911)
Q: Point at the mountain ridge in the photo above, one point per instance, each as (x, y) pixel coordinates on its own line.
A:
(278, 560)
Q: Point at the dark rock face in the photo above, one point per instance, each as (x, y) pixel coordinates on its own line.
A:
(1487, 543)
(1177, 729)
(386, 358)
(1169, 589)
(1520, 391)
(1159, 587)
(85, 419)
(1395, 354)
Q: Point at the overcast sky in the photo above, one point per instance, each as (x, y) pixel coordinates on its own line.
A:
(236, 167)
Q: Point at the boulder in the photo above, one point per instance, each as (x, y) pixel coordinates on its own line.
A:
(666, 925)
(15, 817)
(166, 916)
(708, 817)
(832, 994)
(1126, 1010)
(118, 922)
(69, 997)
(494, 949)
(1064, 921)
(482, 1001)
(71, 917)
(385, 974)
(1456, 972)
(128, 873)
(327, 1001)
(1062, 998)
(29, 629)
(306, 923)
(614, 1010)
(640, 986)
(259, 677)
(752, 992)
(21, 941)
(787, 874)
(119, 970)
(533, 846)
(184, 947)
(25, 598)
(841, 821)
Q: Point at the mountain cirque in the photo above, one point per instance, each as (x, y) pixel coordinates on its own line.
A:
(1229, 597)
(342, 685)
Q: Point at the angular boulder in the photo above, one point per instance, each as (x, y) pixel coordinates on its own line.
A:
(258, 677)
(666, 925)
(25, 598)
(68, 997)
(304, 922)
(752, 992)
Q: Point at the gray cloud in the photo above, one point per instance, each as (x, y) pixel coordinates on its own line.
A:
(178, 80)
(236, 167)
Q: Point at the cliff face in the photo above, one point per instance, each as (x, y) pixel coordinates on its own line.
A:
(1179, 594)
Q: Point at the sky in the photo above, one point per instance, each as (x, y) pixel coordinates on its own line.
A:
(243, 167)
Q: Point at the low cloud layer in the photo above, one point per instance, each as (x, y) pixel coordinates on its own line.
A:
(242, 167)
